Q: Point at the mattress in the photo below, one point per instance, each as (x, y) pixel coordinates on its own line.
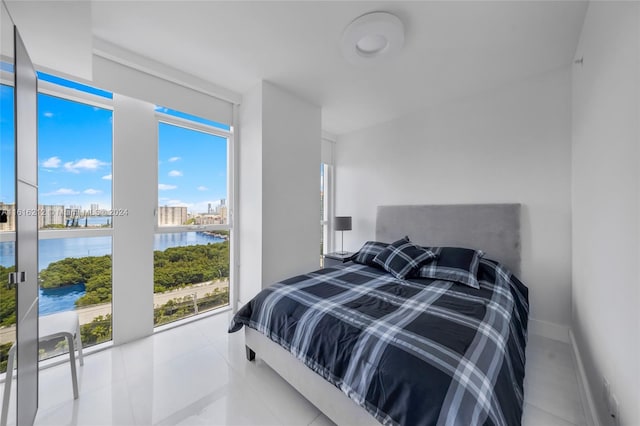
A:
(410, 352)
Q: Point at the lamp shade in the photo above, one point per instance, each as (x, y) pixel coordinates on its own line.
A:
(342, 223)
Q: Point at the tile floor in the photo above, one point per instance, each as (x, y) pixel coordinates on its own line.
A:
(197, 374)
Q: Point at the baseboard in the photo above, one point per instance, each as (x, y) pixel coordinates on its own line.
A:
(549, 330)
(586, 397)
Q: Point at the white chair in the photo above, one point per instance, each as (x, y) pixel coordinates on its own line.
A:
(54, 326)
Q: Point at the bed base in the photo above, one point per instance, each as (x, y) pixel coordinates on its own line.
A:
(326, 397)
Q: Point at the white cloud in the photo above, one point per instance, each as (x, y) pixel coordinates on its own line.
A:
(51, 163)
(63, 191)
(48, 114)
(107, 177)
(175, 173)
(83, 164)
(174, 159)
(202, 188)
(91, 191)
(165, 187)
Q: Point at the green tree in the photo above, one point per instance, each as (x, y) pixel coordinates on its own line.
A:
(7, 298)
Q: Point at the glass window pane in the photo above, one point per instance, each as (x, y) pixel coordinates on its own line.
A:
(322, 192)
(191, 274)
(7, 303)
(7, 206)
(7, 158)
(322, 225)
(192, 177)
(75, 274)
(190, 117)
(73, 85)
(74, 156)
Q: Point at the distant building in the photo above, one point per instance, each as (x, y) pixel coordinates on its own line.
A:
(209, 209)
(94, 209)
(50, 215)
(172, 215)
(207, 219)
(11, 217)
(223, 214)
(221, 209)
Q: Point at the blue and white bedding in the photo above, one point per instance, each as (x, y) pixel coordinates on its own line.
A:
(411, 352)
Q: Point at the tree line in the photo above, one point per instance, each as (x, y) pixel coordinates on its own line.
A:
(174, 267)
(100, 328)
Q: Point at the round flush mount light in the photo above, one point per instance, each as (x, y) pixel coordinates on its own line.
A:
(372, 37)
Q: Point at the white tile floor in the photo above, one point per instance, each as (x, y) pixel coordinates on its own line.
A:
(197, 374)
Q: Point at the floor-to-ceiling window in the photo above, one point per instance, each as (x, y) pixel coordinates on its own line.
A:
(7, 210)
(191, 257)
(325, 208)
(75, 143)
(76, 212)
(74, 209)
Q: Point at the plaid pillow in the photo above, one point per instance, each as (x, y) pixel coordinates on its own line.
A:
(453, 264)
(368, 252)
(402, 257)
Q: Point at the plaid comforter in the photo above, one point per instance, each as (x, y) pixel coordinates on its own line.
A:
(411, 352)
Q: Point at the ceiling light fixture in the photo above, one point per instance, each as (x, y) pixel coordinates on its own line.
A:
(372, 36)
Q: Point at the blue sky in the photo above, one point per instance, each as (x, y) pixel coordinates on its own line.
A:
(192, 168)
(75, 156)
(74, 153)
(7, 171)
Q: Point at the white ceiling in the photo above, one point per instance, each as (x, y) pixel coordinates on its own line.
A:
(452, 49)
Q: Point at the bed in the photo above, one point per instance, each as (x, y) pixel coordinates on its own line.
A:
(366, 347)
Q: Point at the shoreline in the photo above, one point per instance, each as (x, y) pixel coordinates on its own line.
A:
(99, 246)
(87, 314)
(216, 235)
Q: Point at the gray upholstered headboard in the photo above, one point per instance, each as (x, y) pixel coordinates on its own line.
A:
(492, 228)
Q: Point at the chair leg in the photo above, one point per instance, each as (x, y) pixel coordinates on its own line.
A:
(72, 360)
(79, 343)
(7, 386)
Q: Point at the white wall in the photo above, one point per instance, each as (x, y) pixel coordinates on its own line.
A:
(135, 82)
(606, 134)
(135, 141)
(279, 188)
(291, 134)
(57, 34)
(250, 195)
(509, 145)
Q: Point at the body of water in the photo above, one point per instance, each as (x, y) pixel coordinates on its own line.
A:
(63, 299)
(54, 300)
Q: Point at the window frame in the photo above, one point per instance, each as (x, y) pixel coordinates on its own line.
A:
(229, 135)
(327, 224)
(74, 95)
(215, 131)
(79, 96)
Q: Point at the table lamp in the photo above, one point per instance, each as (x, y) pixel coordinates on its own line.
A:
(342, 223)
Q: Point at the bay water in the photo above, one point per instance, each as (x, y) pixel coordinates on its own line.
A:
(52, 250)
